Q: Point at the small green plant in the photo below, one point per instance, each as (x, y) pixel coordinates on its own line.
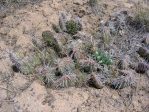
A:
(102, 58)
(72, 27)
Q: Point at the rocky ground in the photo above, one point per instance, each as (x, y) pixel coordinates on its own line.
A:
(26, 93)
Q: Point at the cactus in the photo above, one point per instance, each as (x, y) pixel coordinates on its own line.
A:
(95, 81)
(66, 65)
(62, 22)
(124, 63)
(142, 68)
(126, 79)
(16, 63)
(48, 37)
(144, 53)
(85, 65)
(29, 64)
(72, 27)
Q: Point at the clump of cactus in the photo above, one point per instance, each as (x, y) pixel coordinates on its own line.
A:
(142, 68)
(86, 65)
(124, 80)
(65, 73)
(49, 39)
(144, 53)
(72, 27)
(25, 66)
(62, 22)
(95, 81)
(102, 58)
(124, 63)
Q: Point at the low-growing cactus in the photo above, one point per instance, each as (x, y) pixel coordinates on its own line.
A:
(124, 80)
(142, 68)
(48, 37)
(95, 81)
(124, 63)
(86, 65)
(62, 22)
(72, 27)
(144, 53)
(28, 65)
(66, 66)
(102, 58)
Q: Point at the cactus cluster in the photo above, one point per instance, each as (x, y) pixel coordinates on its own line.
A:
(124, 80)
(71, 26)
(142, 68)
(64, 59)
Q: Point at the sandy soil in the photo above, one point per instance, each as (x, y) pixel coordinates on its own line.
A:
(20, 93)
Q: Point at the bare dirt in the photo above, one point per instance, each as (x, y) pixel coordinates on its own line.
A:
(21, 93)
